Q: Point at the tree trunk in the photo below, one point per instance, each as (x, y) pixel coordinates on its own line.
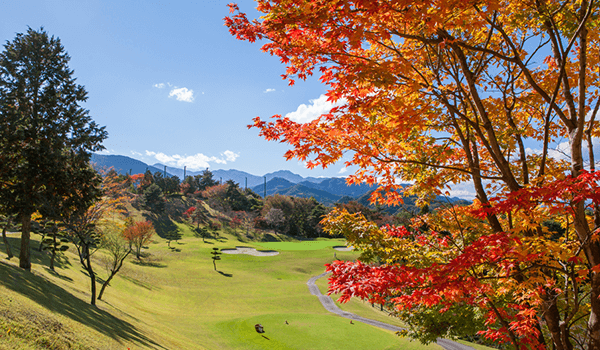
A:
(113, 272)
(551, 314)
(105, 284)
(41, 246)
(594, 320)
(90, 271)
(53, 253)
(6, 244)
(24, 254)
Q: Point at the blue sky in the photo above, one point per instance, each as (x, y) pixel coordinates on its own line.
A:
(170, 83)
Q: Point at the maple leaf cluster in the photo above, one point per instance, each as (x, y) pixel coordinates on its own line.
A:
(499, 94)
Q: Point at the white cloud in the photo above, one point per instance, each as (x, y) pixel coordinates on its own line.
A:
(230, 156)
(316, 108)
(182, 94)
(197, 161)
(106, 151)
(159, 85)
(561, 152)
(136, 153)
(464, 190)
(269, 90)
(342, 170)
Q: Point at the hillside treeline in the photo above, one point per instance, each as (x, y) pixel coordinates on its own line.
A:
(215, 204)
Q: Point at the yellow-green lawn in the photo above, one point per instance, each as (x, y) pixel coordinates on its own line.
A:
(174, 299)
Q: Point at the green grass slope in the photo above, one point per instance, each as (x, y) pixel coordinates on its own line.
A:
(174, 299)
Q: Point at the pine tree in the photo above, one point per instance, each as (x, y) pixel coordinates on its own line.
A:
(46, 138)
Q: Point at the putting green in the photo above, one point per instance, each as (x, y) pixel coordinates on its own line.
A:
(303, 245)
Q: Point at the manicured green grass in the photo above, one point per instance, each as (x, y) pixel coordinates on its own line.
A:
(303, 245)
(174, 299)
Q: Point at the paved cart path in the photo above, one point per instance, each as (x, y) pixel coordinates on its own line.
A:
(330, 306)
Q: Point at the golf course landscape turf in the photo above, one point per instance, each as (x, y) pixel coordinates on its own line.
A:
(174, 299)
(317, 244)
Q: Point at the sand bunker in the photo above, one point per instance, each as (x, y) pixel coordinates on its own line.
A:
(343, 248)
(249, 251)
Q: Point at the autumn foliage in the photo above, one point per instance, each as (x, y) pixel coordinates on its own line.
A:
(138, 235)
(498, 94)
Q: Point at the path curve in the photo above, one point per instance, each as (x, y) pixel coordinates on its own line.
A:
(330, 306)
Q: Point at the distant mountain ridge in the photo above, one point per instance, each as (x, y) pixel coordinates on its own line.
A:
(125, 164)
(325, 190)
(122, 164)
(241, 177)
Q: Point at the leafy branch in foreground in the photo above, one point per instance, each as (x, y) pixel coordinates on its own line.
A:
(439, 93)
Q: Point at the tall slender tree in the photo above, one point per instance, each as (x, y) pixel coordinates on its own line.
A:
(46, 136)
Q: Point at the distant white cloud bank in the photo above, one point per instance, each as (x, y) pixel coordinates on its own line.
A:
(194, 162)
(316, 107)
(269, 90)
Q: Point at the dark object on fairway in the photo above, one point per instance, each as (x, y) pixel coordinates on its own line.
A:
(351, 322)
(259, 328)
(286, 322)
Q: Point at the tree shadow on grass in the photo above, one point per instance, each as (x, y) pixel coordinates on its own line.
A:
(55, 273)
(148, 263)
(56, 299)
(166, 228)
(37, 257)
(137, 282)
(219, 239)
(225, 274)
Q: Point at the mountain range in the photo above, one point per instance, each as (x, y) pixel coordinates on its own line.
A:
(327, 190)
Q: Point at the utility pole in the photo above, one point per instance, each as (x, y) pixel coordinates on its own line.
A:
(246, 186)
(184, 172)
(265, 196)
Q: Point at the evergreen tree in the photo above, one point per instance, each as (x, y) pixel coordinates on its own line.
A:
(46, 137)
(205, 180)
(154, 199)
(234, 197)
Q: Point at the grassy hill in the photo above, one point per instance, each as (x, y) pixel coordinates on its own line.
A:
(173, 299)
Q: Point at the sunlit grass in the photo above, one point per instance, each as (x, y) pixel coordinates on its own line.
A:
(174, 299)
(303, 245)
